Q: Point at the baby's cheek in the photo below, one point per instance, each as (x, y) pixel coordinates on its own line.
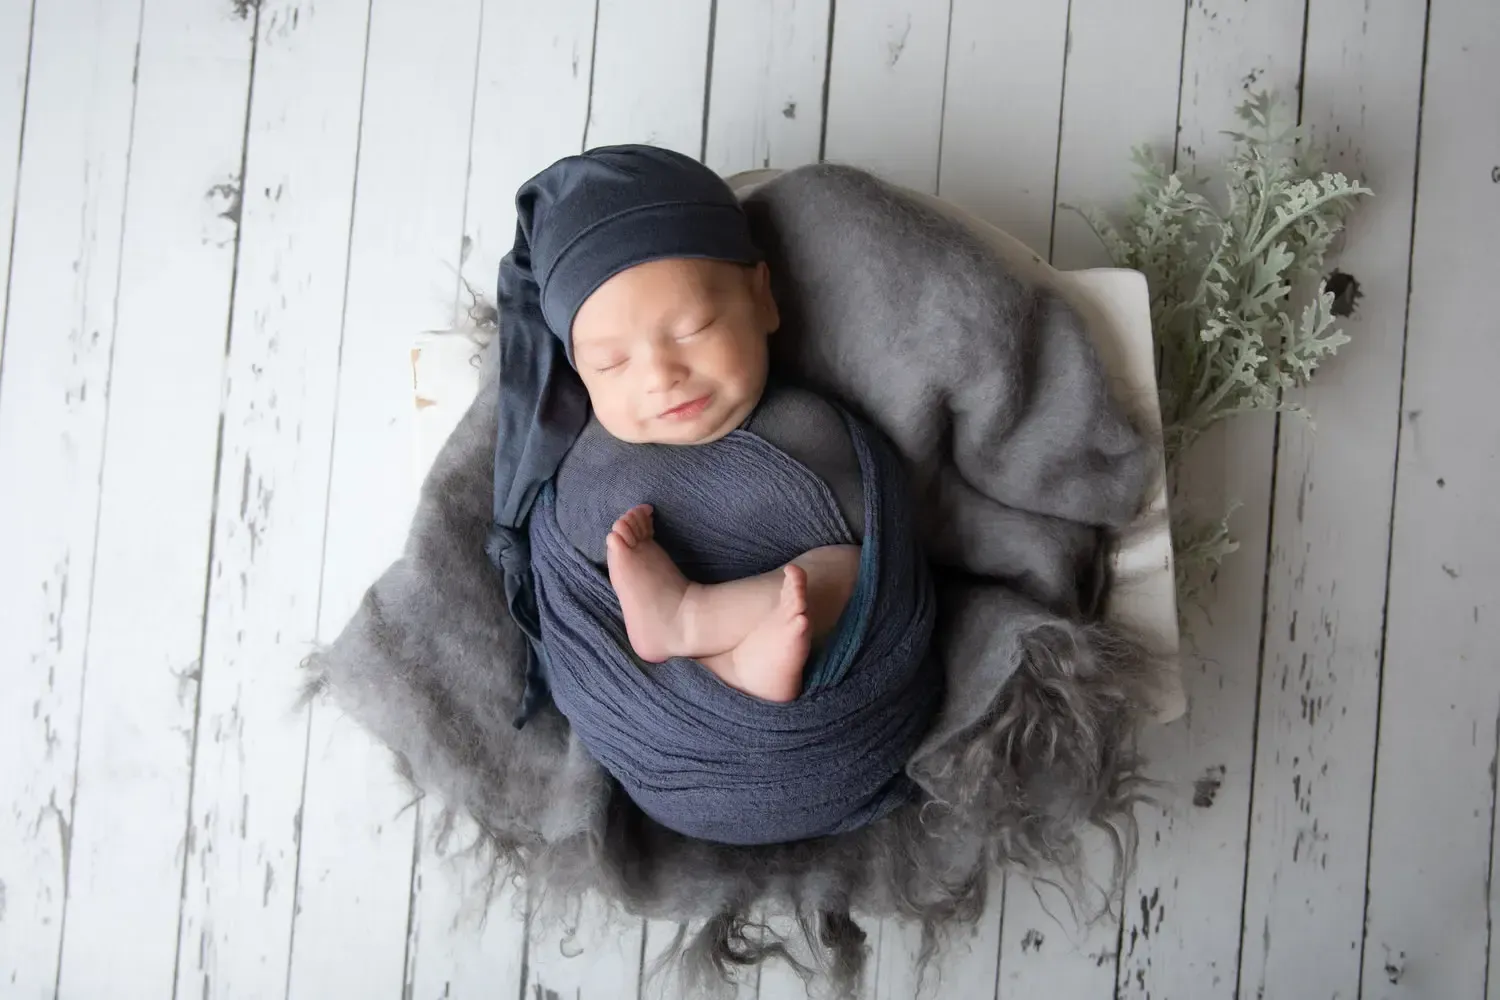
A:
(754, 365)
(606, 404)
(744, 366)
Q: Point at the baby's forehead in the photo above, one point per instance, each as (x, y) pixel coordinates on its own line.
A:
(660, 289)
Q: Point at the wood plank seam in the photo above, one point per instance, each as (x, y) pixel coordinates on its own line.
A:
(530, 896)
(640, 960)
(1187, 8)
(439, 931)
(1116, 902)
(1265, 588)
(937, 184)
(1062, 96)
(1416, 180)
(401, 279)
(15, 195)
(1187, 14)
(328, 490)
(1091, 167)
(708, 91)
(1424, 936)
(1000, 937)
(588, 110)
(83, 672)
(1489, 872)
(407, 969)
(1062, 99)
(208, 567)
(833, 10)
(1209, 89)
(1308, 844)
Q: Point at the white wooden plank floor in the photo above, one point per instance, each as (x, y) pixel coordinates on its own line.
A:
(221, 224)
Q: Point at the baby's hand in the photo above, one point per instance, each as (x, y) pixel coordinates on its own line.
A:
(635, 526)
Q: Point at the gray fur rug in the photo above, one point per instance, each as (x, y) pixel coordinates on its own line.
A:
(990, 390)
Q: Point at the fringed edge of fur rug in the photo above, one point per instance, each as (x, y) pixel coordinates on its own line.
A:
(1055, 757)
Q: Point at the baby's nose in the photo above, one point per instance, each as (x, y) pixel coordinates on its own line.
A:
(665, 371)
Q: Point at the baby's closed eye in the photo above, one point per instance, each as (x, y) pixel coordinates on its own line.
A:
(607, 362)
(696, 328)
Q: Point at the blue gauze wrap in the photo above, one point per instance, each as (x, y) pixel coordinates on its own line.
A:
(695, 754)
(578, 223)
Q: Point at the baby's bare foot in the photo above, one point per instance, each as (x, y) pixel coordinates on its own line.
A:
(769, 663)
(650, 586)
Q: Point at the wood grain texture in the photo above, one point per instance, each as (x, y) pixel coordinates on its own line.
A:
(468, 933)
(279, 390)
(999, 161)
(592, 952)
(661, 980)
(1309, 827)
(1055, 946)
(1051, 946)
(999, 155)
(885, 89)
(530, 106)
(584, 952)
(765, 106)
(650, 74)
(358, 840)
(777, 980)
(966, 967)
(886, 86)
(767, 87)
(156, 503)
(1430, 880)
(1113, 49)
(1181, 931)
(115, 395)
(54, 392)
(15, 57)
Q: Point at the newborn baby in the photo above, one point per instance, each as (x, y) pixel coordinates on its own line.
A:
(660, 498)
(673, 352)
(634, 314)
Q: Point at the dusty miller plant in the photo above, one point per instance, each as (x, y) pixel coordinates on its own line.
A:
(1239, 310)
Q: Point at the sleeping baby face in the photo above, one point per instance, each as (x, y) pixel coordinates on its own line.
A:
(674, 351)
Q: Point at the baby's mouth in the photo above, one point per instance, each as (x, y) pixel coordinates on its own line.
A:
(688, 410)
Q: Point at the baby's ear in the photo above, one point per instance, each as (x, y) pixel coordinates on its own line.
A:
(766, 313)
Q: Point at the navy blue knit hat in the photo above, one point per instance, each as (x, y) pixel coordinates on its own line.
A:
(578, 223)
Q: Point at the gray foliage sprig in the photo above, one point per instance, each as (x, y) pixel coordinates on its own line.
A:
(1239, 309)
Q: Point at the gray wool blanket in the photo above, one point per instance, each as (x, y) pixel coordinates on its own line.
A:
(1021, 465)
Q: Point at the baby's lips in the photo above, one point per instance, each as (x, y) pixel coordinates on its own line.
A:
(690, 407)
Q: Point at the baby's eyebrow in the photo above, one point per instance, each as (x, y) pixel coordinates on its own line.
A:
(595, 341)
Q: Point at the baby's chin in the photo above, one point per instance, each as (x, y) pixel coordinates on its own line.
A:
(715, 423)
(684, 436)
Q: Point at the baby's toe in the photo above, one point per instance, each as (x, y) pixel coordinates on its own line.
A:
(794, 589)
(624, 532)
